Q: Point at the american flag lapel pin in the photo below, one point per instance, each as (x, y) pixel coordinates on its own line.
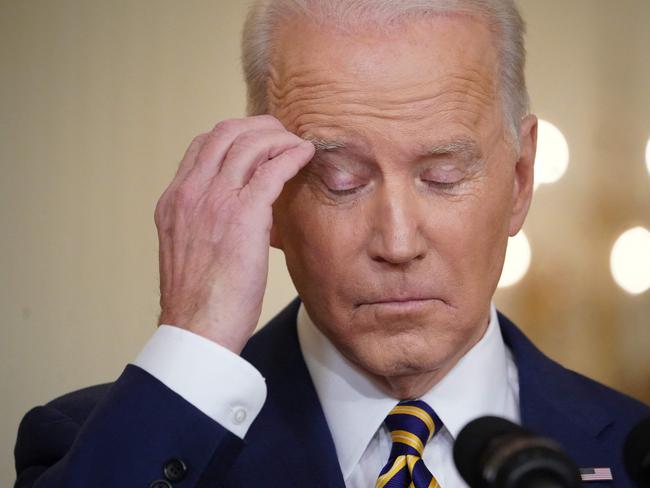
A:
(596, 474)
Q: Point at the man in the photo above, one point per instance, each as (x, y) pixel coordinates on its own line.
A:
(394, 160)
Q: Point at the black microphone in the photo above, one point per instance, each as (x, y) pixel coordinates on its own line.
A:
(636, 454)
(492, 452)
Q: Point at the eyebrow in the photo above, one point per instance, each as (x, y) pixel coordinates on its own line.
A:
(324, 144)
(462, 145)
(457, 146)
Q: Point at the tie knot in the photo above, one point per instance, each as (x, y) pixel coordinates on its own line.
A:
(411, 425)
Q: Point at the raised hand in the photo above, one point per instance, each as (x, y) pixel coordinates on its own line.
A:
(214, 223)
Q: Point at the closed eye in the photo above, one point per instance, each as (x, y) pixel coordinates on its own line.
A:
(442, 185)
(443, 176)
(339, 180)
(345, 191)
(442, 179)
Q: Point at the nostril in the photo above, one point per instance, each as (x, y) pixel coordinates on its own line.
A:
(398, 259)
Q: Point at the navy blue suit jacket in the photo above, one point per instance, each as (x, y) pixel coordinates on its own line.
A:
(121, 434)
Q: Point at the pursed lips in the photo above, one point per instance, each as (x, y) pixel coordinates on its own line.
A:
(400, 299)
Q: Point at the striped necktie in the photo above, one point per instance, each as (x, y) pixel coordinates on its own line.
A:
(411, 425)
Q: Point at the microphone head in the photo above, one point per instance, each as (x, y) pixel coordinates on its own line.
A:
(473, 441)
(494, 452)
(636, 453)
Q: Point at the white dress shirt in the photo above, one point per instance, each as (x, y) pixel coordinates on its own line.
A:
(218, 382)
(232, 392)
(483, 382)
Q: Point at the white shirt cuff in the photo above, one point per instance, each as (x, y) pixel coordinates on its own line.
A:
(218, 382)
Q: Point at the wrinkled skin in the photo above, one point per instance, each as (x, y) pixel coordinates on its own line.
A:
(395, 233)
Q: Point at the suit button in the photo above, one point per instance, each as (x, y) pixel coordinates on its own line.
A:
(160, 484)
(174, 470)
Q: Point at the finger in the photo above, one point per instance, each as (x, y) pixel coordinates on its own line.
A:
(190, 155)
(249, 151)
(220, 138)
(268, 180)
(160, 213)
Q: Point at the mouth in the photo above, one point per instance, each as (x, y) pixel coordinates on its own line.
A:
(401, 304)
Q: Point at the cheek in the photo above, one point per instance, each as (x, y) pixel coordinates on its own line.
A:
(479, 232)
(321, 242)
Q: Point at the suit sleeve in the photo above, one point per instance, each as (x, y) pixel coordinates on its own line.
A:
(138, 427)
(220, 383)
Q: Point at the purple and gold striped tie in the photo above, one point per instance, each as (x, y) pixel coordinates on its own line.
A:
(411, 425)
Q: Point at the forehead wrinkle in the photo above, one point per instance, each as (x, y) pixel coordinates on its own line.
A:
(457, 95)
(290, 76)
(302, 115)
(302, 121)
(296, 90)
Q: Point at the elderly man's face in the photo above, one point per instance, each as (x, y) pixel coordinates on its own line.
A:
(395, 233)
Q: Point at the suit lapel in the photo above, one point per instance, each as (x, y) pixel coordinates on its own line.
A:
(556, 403)
(291, 429)
(544, 385)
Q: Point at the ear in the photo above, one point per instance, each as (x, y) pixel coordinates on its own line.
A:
(524, 174)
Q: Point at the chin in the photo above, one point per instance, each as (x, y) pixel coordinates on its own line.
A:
(398, 357)
(402, 377)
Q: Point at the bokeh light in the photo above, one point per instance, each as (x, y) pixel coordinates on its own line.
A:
(517, 260)
(630, 260)
(552, 154)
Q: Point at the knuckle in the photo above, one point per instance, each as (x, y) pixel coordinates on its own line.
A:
(270, 120)
(296, 139)
(160, 214)
(246, 139)
(264, 139)
(231, 127)
(227, 126)
(200, 139)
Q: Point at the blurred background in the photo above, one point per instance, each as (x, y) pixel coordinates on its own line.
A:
(99, 101)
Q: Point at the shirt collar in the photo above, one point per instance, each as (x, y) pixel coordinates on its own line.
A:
(355, 408)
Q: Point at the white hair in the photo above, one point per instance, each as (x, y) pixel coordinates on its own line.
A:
(502, 16)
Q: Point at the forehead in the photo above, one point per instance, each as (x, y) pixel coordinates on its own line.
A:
(437, 73)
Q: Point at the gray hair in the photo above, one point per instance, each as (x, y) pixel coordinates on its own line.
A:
(502, 15)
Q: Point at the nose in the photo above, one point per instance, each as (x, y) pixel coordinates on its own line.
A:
(397, 236)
